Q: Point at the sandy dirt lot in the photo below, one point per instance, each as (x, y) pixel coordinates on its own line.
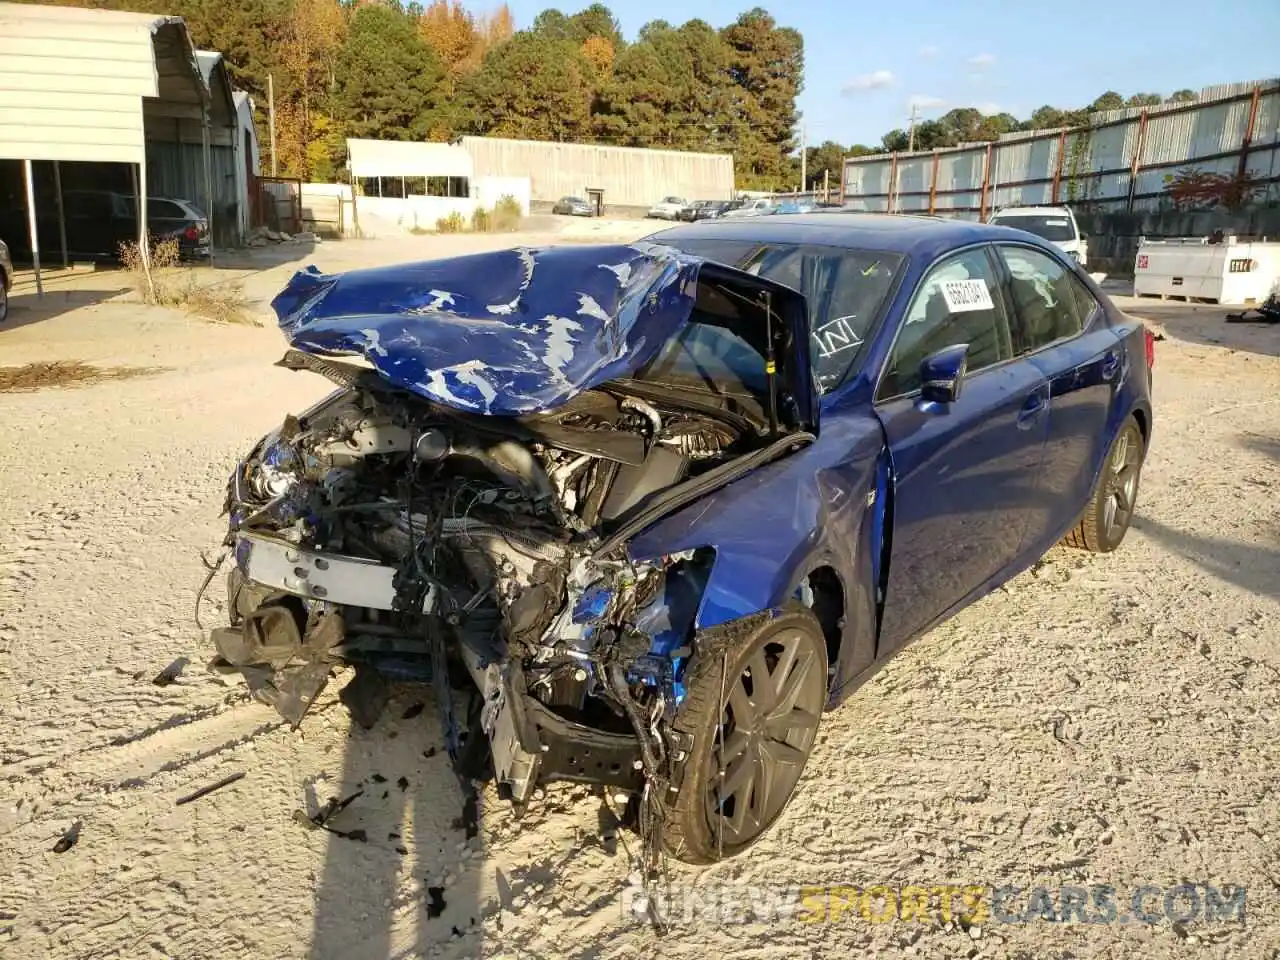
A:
(1100, 720)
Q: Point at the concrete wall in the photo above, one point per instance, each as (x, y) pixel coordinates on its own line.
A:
(630, 177)
(327, 207)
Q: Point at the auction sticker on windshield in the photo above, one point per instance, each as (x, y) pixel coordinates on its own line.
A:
(963, 296)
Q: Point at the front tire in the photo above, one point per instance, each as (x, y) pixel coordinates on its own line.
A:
(756, 690)
(1106, 519)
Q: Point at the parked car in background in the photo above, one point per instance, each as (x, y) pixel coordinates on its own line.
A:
(1055, 224)
(99, 221)
(690, 212)
(573, 207)
(663, 547)
(758, 207)
(668, 208)
(716, 208)
(795, 206)
(6, 280)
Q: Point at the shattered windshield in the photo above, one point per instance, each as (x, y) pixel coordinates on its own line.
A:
(846, 290)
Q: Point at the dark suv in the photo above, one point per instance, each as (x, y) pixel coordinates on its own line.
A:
(99, 221)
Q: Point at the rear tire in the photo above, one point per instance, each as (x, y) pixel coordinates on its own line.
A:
(4, 299)
(718, 813)
(1106, 519)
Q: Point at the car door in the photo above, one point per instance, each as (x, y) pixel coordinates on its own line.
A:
(1060, 327)
(965, 473)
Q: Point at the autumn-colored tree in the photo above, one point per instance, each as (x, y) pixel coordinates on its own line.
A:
(599, 53)
(450, 31)
(496, 27)
(1194, 189)
(314, 35)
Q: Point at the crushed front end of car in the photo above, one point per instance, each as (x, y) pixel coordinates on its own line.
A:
(459, 509)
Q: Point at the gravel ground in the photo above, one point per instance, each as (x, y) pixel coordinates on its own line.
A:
(1100, 720)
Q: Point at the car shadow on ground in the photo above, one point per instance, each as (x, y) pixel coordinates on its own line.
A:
(1206, 324)
(1268, 447)
(1251, 566)
(418, 877)
(400, 877)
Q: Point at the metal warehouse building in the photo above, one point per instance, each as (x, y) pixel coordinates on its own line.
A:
(615, 177)
(94, 103)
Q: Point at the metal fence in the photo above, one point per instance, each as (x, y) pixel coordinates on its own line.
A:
(278, 203)
(1122, 161)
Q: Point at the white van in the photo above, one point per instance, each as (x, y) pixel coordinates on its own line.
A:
(1055, 224)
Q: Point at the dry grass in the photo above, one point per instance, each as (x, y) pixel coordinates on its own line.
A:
(453, 223)
(506, 214)
(173, 285)
(64, 373)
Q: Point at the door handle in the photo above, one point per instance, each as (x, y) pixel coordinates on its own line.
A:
(1110, 365)
(1035, 407)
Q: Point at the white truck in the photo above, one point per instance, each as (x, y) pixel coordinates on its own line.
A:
(1055, 224)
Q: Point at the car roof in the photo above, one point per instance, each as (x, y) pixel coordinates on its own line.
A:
(896, 233)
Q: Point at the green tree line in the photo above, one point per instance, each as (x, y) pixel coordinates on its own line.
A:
(381, 69)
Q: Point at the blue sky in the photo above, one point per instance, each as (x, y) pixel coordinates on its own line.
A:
(865, 62)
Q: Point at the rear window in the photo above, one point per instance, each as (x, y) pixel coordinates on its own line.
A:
(846, 291)
(165, 209)
(1056, 229)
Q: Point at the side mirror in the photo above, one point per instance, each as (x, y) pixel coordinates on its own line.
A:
(942, 373)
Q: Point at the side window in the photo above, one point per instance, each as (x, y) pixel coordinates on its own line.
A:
(164, 210)
(957, 302)
(1046, 299)
(1085, 300)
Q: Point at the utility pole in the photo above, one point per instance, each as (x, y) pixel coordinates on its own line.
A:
(804, 158)
(826, 185)
(271, 120)
(911, 128)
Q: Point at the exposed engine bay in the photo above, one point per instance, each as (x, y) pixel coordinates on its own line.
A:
(385, 531)
(463, 509)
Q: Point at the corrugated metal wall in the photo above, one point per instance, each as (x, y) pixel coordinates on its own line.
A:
(71, 83)
(628, 176)
(177, 170)
(1086, 165)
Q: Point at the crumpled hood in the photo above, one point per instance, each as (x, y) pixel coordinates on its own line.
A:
(505, 333)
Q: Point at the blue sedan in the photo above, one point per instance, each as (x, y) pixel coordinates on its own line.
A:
(642, 512)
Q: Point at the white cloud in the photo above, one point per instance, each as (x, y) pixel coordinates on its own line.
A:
(920, 101)
(928, 52)
(982, 60)
(869, 81)
(990, 109)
